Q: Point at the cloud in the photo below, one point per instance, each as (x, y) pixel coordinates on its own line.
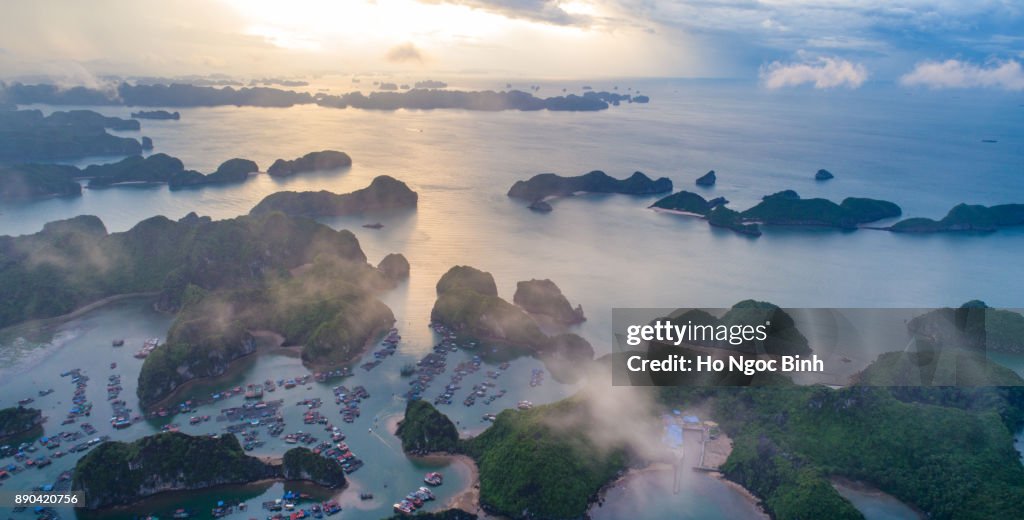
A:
(1006, 75)
(823, 72)
(404, 53)
(545, 11)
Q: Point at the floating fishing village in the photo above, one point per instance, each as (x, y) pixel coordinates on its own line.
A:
(256, 413)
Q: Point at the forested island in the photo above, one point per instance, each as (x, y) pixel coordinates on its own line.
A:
(545, 185)
(946, 451)
(787, 208)
(427, 96)
(156, 114)
(383, 193)
(330, 311)
(543, 297)
(424, 430)
(966, 218)
(33, 181)
(27, 135)
(303, 464)
(525, 463)
(121, 473)
(224, 278)
(19, 420)
(313, 161)
(973, 326)
(230, 171)
(37, 180)
(468, 303)
(784, 208)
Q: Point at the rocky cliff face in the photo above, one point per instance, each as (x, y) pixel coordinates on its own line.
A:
(544, 298)
(395, 267)
(303, 464)
(193, 352)
(468, 302)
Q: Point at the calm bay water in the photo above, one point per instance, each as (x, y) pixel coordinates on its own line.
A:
(923, 150)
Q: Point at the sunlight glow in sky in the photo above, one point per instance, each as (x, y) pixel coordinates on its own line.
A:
(782, 43)
(316, 24)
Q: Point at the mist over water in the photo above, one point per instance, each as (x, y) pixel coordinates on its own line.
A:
(922, 150)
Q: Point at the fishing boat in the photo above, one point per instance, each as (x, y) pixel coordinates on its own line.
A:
(117, 343)
(331, 507)
(147, 348)
(254, 391)
(434, 478)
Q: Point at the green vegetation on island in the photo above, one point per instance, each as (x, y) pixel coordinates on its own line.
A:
(724, 217)
(966, 217)
(156, 168)
(394, 266)
(546, 185)
(947, 451)
(782, 337)
(34, 181)
(426, 430)
(19, 420)
(543, 297)
(536, 463)
(120, 473)
(684, 201)
(783, 208)
(974, 326)
(468, 303)
(948, 462)
(533, 463)
(27, 135)
(708, 179)
(230, 171)
(787, 208)
(226, 278)
(329, 310)
(313, 161)
(937, 368)
(383, 193)
(74, 262)
(447, 514)
(303, 464)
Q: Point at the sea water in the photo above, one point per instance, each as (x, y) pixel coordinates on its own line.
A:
(923, 150)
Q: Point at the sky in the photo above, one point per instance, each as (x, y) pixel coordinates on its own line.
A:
(781, 43)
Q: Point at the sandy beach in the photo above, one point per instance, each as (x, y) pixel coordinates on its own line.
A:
(468, 499)
(717, 450)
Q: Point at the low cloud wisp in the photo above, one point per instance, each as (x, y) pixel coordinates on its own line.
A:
(822, 73)
(1007, 75)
